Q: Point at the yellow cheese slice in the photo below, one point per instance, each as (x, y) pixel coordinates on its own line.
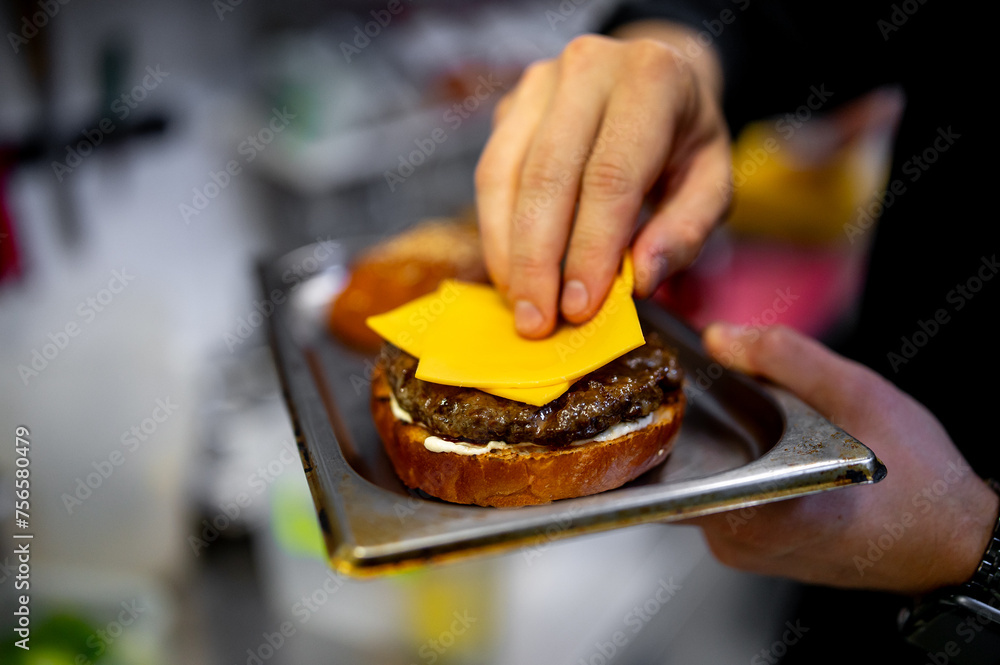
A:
(406, 326)
(536, 396)
(473, 342)
(463, 335)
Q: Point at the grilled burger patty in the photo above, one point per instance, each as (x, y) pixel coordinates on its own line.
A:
(627, 388)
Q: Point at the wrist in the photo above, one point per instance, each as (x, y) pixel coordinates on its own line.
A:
(975, 533)
(961, 624)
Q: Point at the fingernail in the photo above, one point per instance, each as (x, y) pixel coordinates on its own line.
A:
(720, 335)
(574, 298)
(527, 318)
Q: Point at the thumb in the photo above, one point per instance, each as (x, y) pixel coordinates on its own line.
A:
(832, 384)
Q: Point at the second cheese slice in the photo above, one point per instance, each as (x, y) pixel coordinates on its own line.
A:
(474, 344)
(408, 326)
(463, 335)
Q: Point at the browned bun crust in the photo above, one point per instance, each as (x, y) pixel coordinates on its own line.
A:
(401, 268)
(521, 477)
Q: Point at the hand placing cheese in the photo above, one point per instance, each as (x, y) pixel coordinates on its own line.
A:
(464, 335)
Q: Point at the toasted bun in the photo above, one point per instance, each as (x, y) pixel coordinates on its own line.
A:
(528, 474)
(401, 268)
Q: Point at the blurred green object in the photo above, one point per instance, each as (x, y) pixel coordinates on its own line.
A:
(293, 519)
(59, 639)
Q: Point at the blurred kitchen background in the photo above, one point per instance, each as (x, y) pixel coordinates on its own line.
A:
(150, 154)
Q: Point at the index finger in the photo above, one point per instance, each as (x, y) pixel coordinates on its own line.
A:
(549, 185)
(499, 167)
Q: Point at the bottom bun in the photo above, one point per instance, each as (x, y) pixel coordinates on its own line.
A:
(525, 474)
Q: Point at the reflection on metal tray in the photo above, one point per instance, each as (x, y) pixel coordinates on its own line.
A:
(742, 443)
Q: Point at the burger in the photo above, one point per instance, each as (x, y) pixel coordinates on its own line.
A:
(467, 446)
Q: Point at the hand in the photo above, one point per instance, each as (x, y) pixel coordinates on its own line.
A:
(924, 526)
(576, 148)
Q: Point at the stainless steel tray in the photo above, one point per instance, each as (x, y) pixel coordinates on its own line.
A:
(742, 443)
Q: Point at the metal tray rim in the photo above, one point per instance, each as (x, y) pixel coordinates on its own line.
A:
(333, 482)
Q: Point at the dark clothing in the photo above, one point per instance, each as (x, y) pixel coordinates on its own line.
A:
(928, 314)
